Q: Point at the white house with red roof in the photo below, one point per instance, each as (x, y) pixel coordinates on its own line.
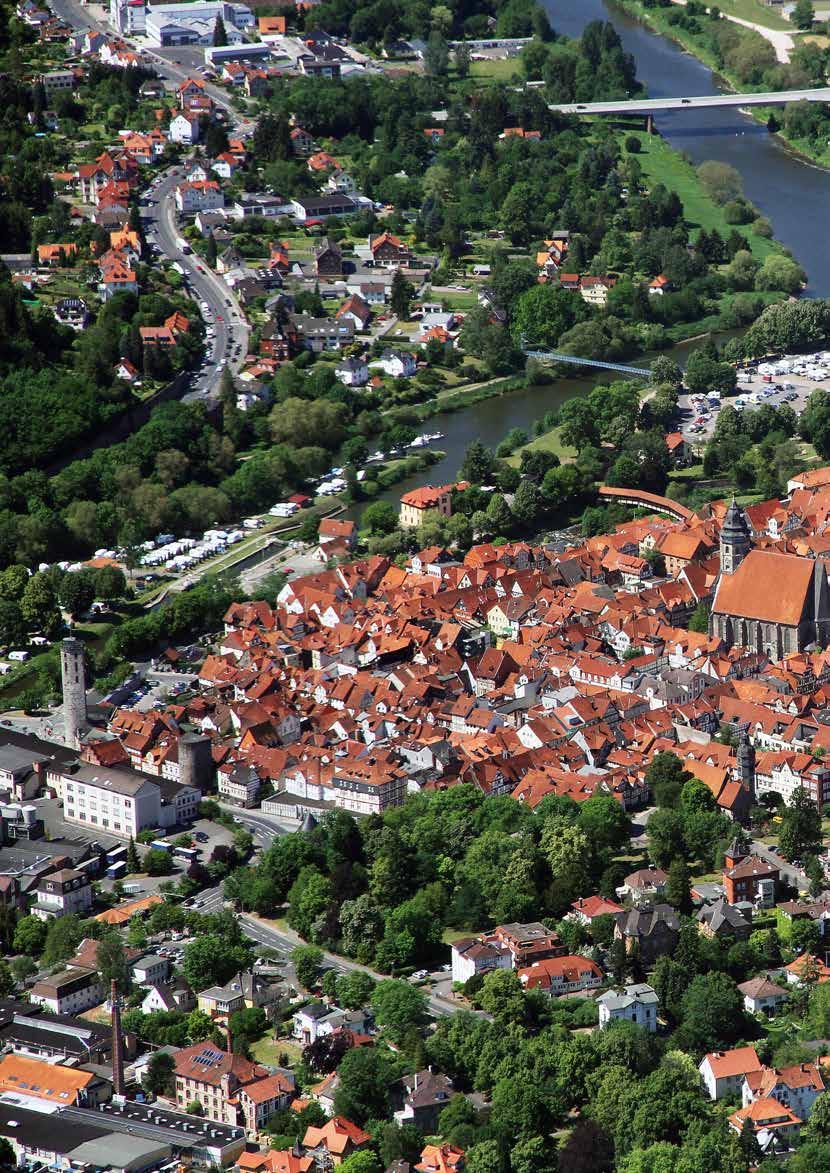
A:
(723, 1072)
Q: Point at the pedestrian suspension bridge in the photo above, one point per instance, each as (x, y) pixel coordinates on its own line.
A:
(556, 356)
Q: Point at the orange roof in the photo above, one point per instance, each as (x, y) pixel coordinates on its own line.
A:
(738, 1061)
(275, 1161)
(125, 912)
(271, 25)
(444, 1158)
(774, 588)
(45, 1081)
(336, 1135)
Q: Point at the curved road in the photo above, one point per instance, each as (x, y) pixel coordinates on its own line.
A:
(158, 210)
(230, 342)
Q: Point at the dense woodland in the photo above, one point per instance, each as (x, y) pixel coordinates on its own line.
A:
(384, 890)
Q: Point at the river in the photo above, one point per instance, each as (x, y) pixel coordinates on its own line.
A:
(793, 194)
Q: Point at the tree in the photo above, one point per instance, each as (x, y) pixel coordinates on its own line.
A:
(30, 936)
(721, 181)
(159, 1077)
(363, 1090)
(77, 592)
(665, 776)
(380, 517)
(699, 621)
(436, 55)
(399, 1008)
(678, 889)
(211, 250)
(158, 862)
(354, 989)
(112, 961)
(39, 604)
(712, 1013)
(220, 36)
(199, 1026)
(308, 963)
(800, 832)
(605, 823)
(803, 15)
(212, 960)
(780, 272)
(401, 295)
(133, 860)
(246, 1026)
(363, 1162)
(665, 837)
(478, 465)
(63, 936)
(13, 628)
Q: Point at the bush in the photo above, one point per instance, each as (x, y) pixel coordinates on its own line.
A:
(633, 144)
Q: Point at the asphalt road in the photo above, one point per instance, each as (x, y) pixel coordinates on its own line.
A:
(794, 876)
(284, 943)
(706, 101)
(230, 341)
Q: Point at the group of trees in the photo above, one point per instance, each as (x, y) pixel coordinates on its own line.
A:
(381, 890)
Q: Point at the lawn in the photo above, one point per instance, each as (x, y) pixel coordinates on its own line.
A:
(662, 164)
(496, 69)
(758, 13)
(267, 1050)
(548, 442)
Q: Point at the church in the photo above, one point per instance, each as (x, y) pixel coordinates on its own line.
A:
(766, 601)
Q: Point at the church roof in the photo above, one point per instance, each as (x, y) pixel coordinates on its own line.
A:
(767, 586)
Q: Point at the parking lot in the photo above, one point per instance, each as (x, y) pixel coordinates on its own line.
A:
(756, 386)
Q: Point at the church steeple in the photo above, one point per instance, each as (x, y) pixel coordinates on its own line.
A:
(735, 539)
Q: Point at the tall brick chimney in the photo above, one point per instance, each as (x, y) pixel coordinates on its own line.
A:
(117, 1042)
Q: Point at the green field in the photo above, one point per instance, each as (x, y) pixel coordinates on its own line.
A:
(757, 13)
(548, 442)
(496, 69)
(662, 164)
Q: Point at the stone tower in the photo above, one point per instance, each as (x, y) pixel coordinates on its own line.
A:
(196, 766)
(735, 539)
(74, 690)
(746, 762)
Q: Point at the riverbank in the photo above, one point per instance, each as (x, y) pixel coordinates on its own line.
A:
(664, 21)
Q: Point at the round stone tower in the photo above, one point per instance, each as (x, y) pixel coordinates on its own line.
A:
(196, 762)
(74, 690)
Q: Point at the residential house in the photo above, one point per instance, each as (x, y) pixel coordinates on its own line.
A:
(184, 128)
(389, 250)
(635, 1003)
(356, 310)
(762, 996)
(417, 503)
(353, 372)
(721, 921)
(336, 1140)
(646, 884)
(562, 975)
(400, 364)
(652, 929)
(63, 893)
(199, 196)
(230, 1088)
(723, 1072)
(420, 1098)
(71, 992)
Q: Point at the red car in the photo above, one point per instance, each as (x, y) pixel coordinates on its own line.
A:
(219, 318)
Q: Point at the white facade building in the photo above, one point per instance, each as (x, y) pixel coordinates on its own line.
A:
(636, 1003)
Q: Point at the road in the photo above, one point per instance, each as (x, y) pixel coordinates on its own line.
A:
(793, 876)
(264, 828)
(285, 941)
(224, 314)
(230, 343)
(82, 17)
(706, 101)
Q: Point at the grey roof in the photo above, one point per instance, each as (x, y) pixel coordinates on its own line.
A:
(722, 915)
(115, 779)
(643, 921)
(47, 1132)
(121, 1151)
(622, 999)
